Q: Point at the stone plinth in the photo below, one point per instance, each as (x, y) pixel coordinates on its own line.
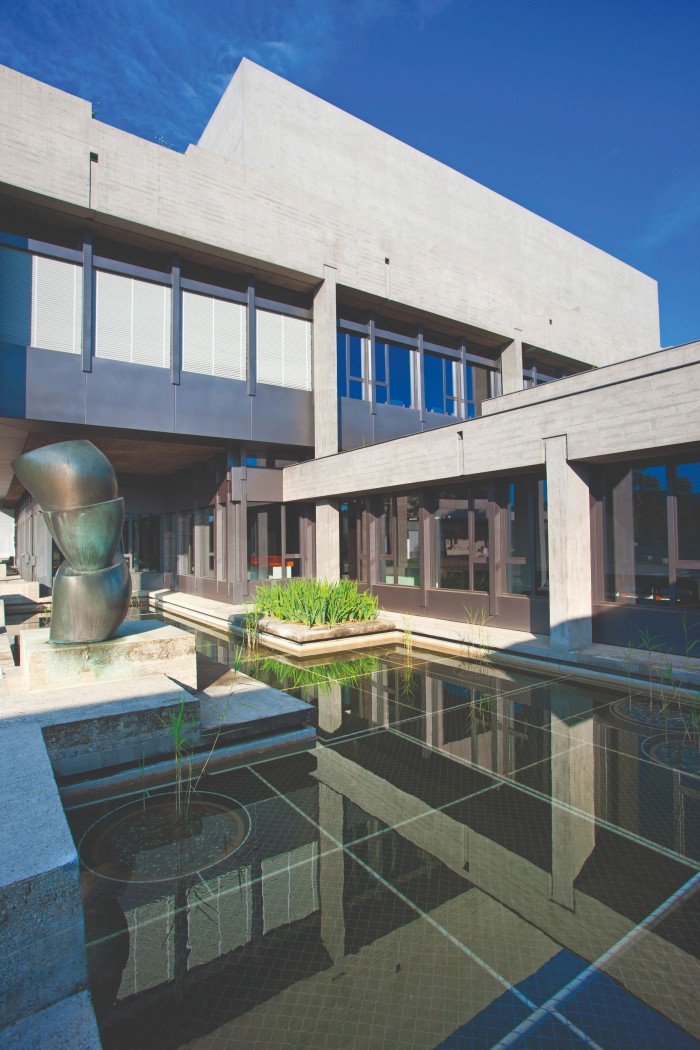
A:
(15, 589)
(139, 648)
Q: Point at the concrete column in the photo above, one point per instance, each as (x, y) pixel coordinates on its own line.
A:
(328, 540)
(325, 369)
(512, 365)
(568, 515)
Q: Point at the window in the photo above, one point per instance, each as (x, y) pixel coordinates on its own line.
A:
(185, 543)
(394, 374)
(57, 305)
(265, 542)
(399, 541)
(213, 336)
(461, 539)
(15, 297)
(525, 537)
(132, 320)
(651, 550)
(283, 350)
(206, 542)
(441, 377)
(351, 366)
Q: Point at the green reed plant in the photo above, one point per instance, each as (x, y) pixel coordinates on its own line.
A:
(179, 726)
(316, 603)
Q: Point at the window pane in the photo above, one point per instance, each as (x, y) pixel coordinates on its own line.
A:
(688, 492)
(451, 532)
(264, 543)
(356, 390)
(400, 378)
(292, 543)
(380, 362)
(481, 545)
(342, 367)
(650, 534)
(386, 540)
(205, 530)
(519, 580)
(408, 553)
(433, 378)
(542, 541)
(381, 395)
(688, 588)
(518, 529)
(356, 363)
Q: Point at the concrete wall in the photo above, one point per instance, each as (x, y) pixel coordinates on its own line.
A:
(316, 187)
(454, 247)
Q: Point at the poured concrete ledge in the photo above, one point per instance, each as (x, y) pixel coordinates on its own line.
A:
(140, 647)
(15, 589)
(41, 913)
(68, 1025)
(245, 707)
(302, 635)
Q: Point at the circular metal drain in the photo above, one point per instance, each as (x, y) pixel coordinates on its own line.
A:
(147, 840)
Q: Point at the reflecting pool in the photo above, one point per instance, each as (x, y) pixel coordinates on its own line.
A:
(470, 856)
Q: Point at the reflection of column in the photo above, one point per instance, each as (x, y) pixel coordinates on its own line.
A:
(331, 871)
(330, 707)
(570, 605)
(623, 538)
(573, 785)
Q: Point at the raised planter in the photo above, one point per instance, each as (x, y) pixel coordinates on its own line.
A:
(306, 641)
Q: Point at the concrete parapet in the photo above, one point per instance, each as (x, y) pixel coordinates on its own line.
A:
(68, 1025)
(41, 911)
(13, 588)
(140, 647)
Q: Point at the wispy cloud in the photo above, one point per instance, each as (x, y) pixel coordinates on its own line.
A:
(159, 68)
(677, 214)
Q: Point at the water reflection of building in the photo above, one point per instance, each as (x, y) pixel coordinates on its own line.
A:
(515, 832)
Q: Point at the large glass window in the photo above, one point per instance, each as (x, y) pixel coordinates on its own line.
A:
(185, 543)
(207, 543)
(265, 542)
(651, 547)
(461, 539)
(351, 366)
(399, 540)
(394, 369)
(441, 384)
(525, 536)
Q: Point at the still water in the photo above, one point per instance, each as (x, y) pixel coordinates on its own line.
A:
(468, 857)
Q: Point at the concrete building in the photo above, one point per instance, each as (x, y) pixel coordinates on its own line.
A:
(303, 362)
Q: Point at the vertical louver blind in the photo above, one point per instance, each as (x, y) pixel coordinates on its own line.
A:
(213, 336)
(15, 297)
(283, 350)
(132, 320)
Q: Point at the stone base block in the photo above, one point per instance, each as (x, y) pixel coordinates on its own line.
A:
(140, 647)
(15, 589)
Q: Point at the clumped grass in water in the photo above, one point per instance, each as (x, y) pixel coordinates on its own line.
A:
(316, 603)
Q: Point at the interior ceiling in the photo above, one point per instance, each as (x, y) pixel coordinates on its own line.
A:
(127, 456)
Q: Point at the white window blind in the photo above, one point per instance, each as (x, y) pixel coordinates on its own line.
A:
(213, 336)
(283, 350)
(57, 305)
(132, 320)
(15, 296)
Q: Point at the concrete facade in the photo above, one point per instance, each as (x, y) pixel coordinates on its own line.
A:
(296, 214)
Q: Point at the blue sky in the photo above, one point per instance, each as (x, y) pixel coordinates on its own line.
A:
(587, 112)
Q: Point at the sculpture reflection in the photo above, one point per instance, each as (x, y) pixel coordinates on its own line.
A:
(76, 487)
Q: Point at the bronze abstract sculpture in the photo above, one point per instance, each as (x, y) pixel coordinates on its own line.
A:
(76, 488)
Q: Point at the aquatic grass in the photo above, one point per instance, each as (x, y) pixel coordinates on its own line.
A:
(316, 603)
(179, 725)
(321, 676)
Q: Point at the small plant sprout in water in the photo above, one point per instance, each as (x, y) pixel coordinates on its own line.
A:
(480, 639)
(179, 726)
